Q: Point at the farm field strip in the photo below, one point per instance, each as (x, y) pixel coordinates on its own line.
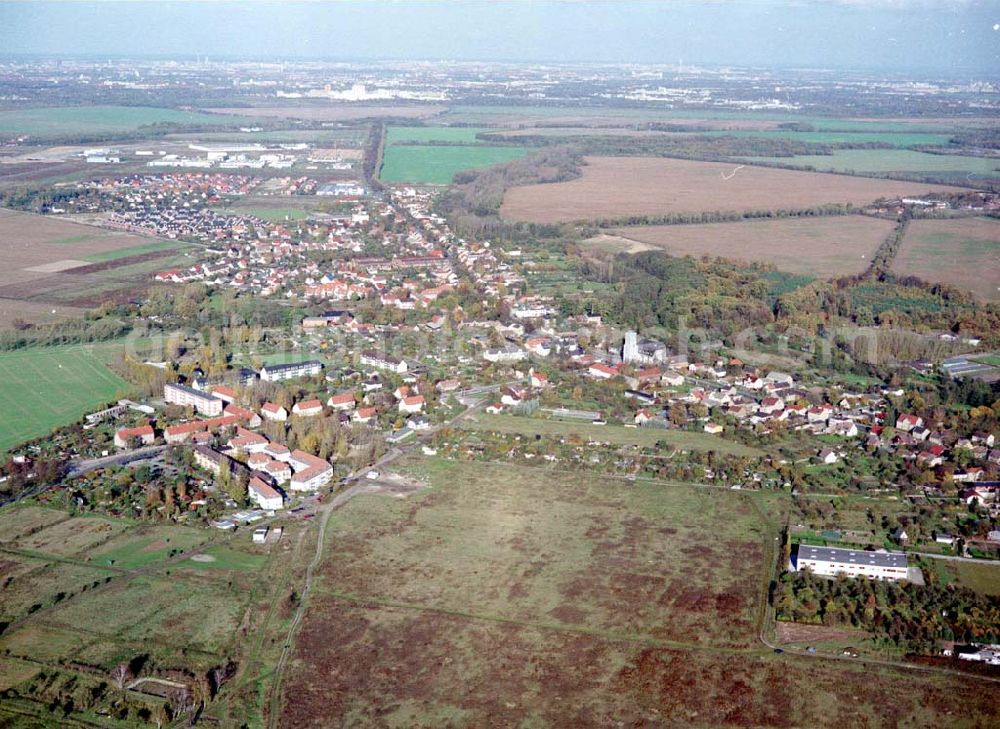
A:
(464, 135)
(619, 187)
(822, 247)
(963, 252)
(437, 164)
(892, 160)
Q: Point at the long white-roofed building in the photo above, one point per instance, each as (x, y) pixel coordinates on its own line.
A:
(833, 561)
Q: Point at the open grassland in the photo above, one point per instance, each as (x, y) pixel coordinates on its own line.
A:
(616, 434)
(820, 247)
(43, 388)
(176, 616)
(982, 577)
(71, 537)
(500, 598)
(144, 545)
(615, 187)
(463, 135)
(894, 160)
(437, 164)
(94, 120)
(19, 521)
(963, 252)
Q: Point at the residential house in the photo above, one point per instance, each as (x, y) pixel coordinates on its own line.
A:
(271, 411)
(307, 408)
(143, 434)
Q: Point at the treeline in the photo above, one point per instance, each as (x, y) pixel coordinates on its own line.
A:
(690, 147)
(884, 255)
(472, 203)
(44, 199)
(372, 165)
(72, 331)
(910, 616)
(720, 216)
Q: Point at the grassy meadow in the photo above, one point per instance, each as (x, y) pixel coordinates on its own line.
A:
(47, 387)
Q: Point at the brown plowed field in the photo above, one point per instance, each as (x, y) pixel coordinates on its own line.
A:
(963, 253)
(821, 247)
(615, 187)
(45, 267)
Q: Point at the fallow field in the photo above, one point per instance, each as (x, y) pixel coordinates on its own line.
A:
(617, 187)
(51, 263)
(79, 595)
(963, 252)
(820, 247)
(616, 434)
(463, 604)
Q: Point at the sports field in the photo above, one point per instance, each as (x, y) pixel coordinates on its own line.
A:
(894, 160)
(82, 120)
(964, 252)
(616, 434)
(616, 187)
(43, 388)
(437, 164)
(463, 604)
(820, 247)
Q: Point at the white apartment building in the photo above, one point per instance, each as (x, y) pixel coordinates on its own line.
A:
(833, 561)
(185, 396)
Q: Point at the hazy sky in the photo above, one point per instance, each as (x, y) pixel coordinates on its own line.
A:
(946, 35)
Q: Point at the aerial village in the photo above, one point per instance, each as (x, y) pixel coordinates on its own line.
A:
(412, 328)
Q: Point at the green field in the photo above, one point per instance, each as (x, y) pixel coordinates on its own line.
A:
(892, 160)
(616, 434)
(464, 135)
(145, 545)
(134, 251)
(43, 388)
(84, 120)
(437, 164)
(226, 558)
(983, 577)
